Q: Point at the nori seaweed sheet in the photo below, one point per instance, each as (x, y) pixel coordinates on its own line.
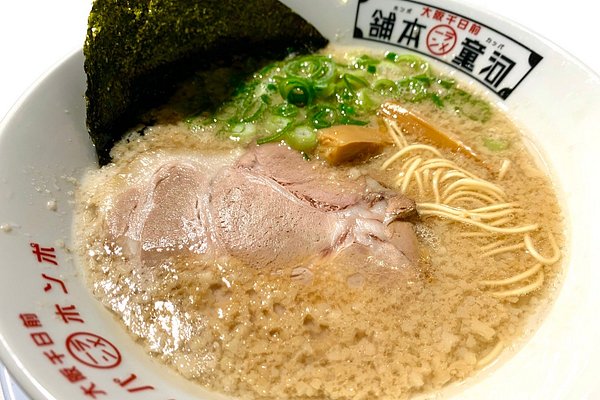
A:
(137, 52)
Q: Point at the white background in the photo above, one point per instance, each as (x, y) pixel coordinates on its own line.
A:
(36, 34)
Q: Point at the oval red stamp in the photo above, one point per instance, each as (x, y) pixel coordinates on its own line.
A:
(93, 350)
(441, 39)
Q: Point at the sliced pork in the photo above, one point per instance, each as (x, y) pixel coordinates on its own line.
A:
(270, 209)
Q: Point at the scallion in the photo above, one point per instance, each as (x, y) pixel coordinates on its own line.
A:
(322, 116)
(302, 138)
(297, 91)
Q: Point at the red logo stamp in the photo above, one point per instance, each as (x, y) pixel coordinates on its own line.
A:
(93, 350)
(441, 39)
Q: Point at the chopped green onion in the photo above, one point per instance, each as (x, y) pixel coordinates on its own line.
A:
(353, 82)
(425, 79)
(322, 116)
(301, 138)
(412, 89)
(408, 65)
(274, 124)
(278, 135)
(368, 99)
(347, 109)
(496, 144)
(325, 90)
(413, 65)
(469, 106)
(446, 83)
(285, 110)
(318, 69)
(477, 110)
(367, 63)
(242, 131)
(347, 116)
(390, 55)
(345, 120)
(384, 85)
(266, 99)
(297, 91)
(289, 100)
(254, 110)
(437, 100)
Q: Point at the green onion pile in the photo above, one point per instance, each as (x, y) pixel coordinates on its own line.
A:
(290, 100)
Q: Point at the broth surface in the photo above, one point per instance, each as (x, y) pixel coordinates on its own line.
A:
(346, 335)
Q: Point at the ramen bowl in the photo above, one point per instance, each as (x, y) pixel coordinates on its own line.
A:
(60, 343)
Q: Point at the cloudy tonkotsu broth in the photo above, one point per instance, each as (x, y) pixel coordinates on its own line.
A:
(350, 331)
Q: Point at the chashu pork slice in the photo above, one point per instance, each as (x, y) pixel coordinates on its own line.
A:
(269, 209)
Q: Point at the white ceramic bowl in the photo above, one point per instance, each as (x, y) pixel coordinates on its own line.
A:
(59, 343)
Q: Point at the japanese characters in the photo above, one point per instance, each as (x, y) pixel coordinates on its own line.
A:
(485, 54)
(74, 355)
